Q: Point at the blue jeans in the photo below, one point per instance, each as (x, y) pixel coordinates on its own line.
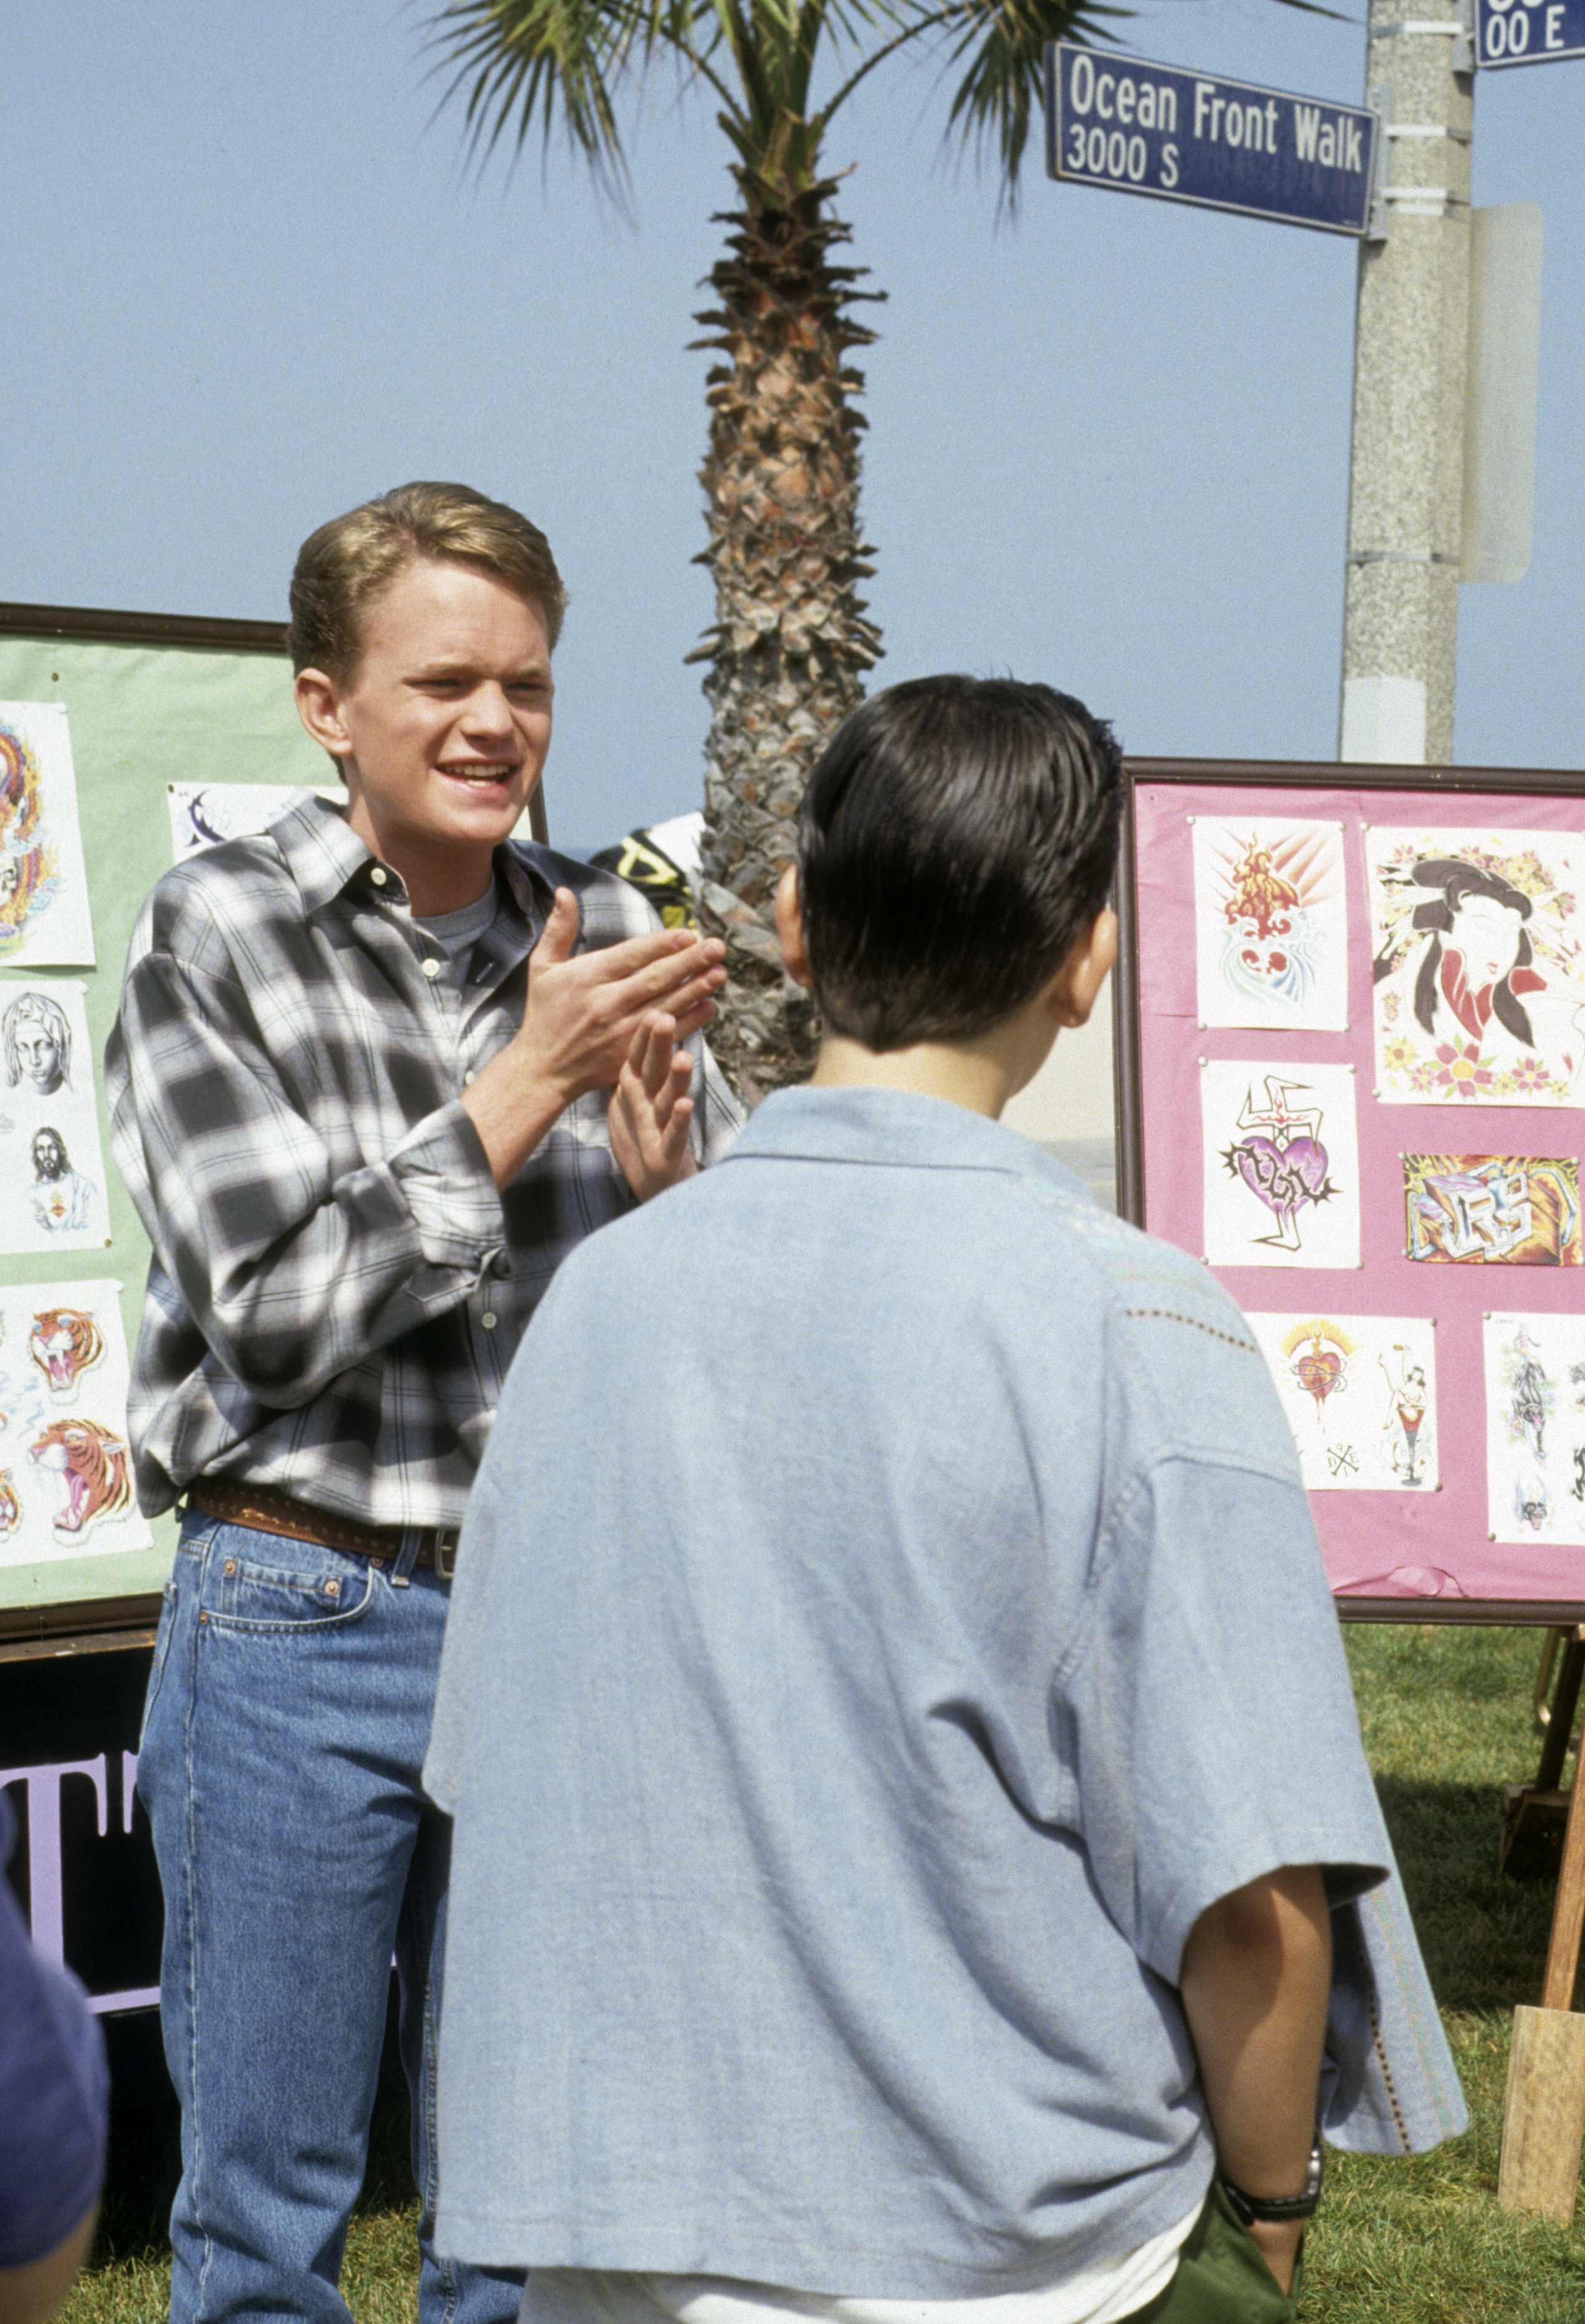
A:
(288, 1716)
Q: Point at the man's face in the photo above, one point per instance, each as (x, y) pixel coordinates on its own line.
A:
(39, 1055)
(48, 1156)
(443, 729)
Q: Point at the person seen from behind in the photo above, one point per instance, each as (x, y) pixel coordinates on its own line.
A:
(915, 1862)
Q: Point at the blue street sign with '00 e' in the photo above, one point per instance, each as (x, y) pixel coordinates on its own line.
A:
(1142, 128)
(1529, 32)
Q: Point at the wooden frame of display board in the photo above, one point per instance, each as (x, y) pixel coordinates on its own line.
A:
(156, 704)
(1341, 1163)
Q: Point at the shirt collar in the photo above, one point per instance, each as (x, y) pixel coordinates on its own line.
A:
(893, 1126)
(325, 856)
(322, 855)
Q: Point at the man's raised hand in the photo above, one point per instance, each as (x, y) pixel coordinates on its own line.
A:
(651, 1109)
(581, 1019)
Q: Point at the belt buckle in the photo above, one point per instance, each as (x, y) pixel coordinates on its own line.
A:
(445, 1538)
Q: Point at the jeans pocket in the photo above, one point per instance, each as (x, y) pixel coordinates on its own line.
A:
(249, 1588)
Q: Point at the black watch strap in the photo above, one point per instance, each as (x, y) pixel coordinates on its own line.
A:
(1279, 2208)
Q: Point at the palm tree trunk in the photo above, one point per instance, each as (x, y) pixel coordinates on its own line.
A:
(789, 644)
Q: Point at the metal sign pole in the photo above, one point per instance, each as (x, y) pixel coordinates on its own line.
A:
(1405, 487)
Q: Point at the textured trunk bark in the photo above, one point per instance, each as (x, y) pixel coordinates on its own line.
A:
(790, 643)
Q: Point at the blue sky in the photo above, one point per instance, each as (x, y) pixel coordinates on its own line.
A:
(250, 281)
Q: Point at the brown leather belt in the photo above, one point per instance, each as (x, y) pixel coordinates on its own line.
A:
(267, 1511)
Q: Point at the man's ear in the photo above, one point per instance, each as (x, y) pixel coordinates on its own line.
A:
(1074, 989)
(789, 928)
(319, 705)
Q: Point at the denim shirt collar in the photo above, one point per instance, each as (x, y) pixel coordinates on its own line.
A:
(902, 1129)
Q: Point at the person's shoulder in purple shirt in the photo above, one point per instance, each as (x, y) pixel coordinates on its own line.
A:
(54, 2100)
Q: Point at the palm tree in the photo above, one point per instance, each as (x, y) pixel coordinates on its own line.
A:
(790, 646)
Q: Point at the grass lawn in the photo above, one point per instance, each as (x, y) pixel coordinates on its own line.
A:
(1447, 1720)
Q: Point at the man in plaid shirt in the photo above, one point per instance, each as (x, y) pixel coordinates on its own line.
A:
(375, 1075)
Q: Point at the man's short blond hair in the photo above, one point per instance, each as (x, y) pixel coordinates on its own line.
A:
(344, 568)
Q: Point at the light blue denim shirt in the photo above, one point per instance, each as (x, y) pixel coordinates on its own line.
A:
(888, 1617)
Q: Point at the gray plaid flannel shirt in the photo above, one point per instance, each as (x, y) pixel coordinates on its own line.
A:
(337, 1287)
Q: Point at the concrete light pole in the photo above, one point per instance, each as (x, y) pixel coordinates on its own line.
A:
(1405, 486)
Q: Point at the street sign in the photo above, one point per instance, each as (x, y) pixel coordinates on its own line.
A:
(1529, 32)
(1141, 128)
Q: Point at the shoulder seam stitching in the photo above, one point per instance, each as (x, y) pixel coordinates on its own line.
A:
(1171, 1315)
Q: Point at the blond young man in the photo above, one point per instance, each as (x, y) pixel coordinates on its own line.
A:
(375, 1075)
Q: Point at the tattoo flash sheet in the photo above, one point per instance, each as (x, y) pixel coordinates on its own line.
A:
(44, 919)
(1492, 1210)
(1270, 924)
(65, 1469)
(51, 1167)
(1535, 1428)
(1479, 978)
(1280, 1164)
(1360, 1392)
(204, 814)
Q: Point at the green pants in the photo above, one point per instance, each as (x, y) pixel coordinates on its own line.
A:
(1221, 2278)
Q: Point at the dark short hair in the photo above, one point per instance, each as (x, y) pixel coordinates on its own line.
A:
(344, 568)
(956, 838)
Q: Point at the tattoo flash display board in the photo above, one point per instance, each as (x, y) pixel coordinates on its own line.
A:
(65, 1470)
(120, 736)
(1351, 1073)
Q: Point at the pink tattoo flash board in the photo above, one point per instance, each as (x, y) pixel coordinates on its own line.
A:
(1362, 991)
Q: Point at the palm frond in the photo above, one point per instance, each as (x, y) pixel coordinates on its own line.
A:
(1005, 42)
(748, 33)
(775, 46)
(519, 64)
(514, 64)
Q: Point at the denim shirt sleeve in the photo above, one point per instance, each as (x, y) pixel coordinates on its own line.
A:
(1215, 1717)
(1388, 2084)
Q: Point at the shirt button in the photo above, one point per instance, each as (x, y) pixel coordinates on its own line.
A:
(431, 968)
(377, 876)
(469, 1078)
(488, 1321)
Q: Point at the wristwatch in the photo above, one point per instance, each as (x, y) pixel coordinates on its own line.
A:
(1278, 2208)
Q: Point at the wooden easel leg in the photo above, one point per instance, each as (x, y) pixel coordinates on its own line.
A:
(1568, 1913)
(1533, 1814)
(1543, 2114)
(1544, 2107)
(1560, 1718)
